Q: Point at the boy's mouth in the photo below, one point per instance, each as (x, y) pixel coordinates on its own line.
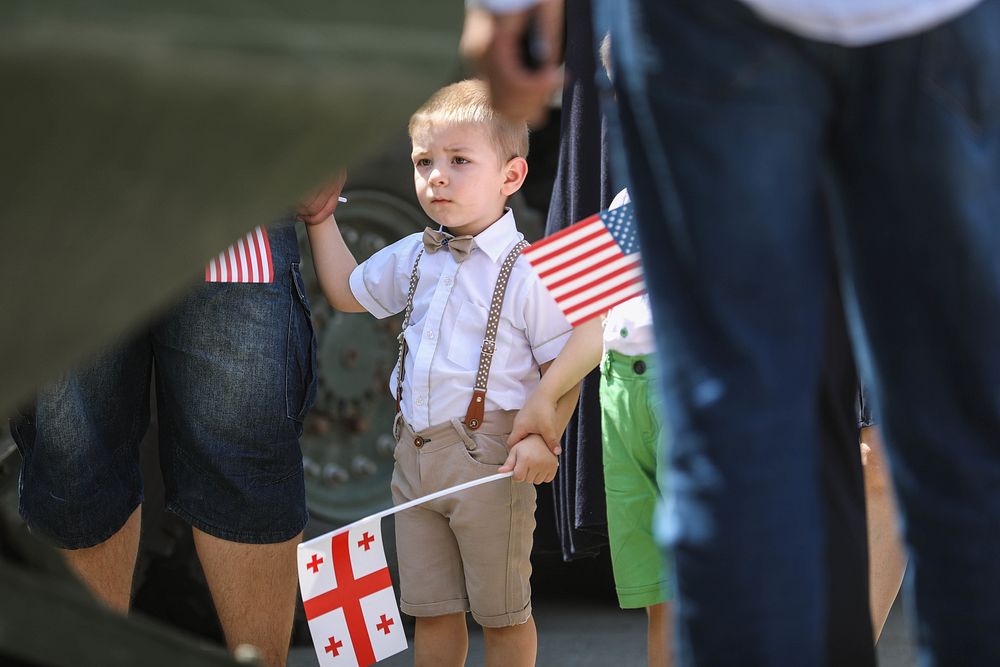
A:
(440, 200)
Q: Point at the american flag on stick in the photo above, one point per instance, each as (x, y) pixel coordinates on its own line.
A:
(590, 266)
(246, 261)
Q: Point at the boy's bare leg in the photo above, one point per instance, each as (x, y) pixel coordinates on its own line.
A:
(513, 646)
(253, 587)
(441, 641)
(107, 568)
(659, 633)
(886, 556)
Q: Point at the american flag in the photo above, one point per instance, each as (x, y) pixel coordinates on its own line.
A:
(246, 261)
(592, 265)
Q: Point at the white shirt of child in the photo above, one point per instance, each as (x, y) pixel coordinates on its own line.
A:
(448, 323)
(628, 327)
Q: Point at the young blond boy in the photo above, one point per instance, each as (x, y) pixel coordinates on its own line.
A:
(470, 355)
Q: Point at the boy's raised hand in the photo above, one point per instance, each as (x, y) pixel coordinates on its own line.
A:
(531, 461)
(320, 204)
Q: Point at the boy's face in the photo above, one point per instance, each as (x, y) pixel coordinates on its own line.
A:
(460, 180)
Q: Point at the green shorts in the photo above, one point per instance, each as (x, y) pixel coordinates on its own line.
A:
(630, 428)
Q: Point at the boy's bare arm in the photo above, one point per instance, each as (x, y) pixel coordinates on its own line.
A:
(332, 258)
(334, 263)
(550, 406)
(531, 458)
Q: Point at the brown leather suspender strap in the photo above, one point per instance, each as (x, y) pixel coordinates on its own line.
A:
(477, 406)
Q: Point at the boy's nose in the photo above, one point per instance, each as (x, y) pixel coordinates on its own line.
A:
(437, 177)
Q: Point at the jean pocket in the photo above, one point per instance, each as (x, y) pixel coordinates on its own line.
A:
(22, 431)
(301, 378)
(962, 66)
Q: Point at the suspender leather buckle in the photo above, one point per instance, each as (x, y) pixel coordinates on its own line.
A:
(477, 407)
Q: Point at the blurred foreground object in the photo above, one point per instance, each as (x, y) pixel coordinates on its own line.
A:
(140, 140)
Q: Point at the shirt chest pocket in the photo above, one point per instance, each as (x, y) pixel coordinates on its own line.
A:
(468, 335)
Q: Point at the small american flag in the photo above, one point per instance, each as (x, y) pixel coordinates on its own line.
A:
(592, 265)
(246, 261)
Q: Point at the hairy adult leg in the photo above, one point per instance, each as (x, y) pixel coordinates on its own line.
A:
(107, 568)
(253, 587)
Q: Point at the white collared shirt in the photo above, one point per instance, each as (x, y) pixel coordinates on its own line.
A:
(845, 22)
(502, 6)
(448, 323)
(858, 22)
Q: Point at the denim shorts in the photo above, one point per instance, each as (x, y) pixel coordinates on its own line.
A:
(234, 366)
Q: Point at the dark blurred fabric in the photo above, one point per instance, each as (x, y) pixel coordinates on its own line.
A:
(582, 187)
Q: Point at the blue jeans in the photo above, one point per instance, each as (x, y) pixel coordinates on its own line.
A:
(750, 152)
(235, 375)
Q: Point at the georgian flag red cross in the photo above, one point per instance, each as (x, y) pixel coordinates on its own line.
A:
(347, 591)
(348, 597)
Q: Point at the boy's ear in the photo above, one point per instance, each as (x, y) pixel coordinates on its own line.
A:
(514, 173)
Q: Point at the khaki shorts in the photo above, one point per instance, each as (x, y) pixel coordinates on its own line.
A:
(468, 551)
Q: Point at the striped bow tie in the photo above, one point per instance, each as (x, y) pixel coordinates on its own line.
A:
(458, 246)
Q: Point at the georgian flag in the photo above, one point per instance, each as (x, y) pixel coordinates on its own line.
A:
(248, 260)
(348, 596)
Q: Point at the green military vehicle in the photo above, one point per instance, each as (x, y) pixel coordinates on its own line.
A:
(139, 138)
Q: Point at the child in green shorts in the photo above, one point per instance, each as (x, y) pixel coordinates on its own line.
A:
(622, 343)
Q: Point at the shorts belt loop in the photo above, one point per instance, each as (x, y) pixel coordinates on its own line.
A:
(463, 434)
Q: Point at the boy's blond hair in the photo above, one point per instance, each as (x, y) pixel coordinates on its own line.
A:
(468, 102)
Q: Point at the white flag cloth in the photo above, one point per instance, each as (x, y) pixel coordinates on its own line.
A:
(347, 591)
(348, 597)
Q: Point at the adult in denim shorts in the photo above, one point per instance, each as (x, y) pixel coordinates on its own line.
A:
(235, 375)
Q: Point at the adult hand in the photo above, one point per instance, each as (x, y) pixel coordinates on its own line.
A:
(492, 43)
(320, 204)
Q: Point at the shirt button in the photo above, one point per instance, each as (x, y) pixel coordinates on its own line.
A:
(446, 280)
(420, 400)
(429, 334)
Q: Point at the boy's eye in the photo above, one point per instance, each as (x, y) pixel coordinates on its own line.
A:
(423, 162)
(458, 159)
